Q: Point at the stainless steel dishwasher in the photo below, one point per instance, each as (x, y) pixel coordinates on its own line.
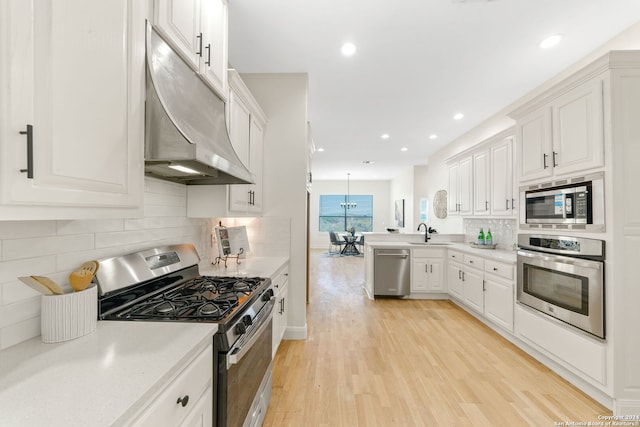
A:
(391, 272)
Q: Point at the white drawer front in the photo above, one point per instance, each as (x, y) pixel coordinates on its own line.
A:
(193, 382)
(280, 279)
(455, 256)
(474, 261)
(499, 268)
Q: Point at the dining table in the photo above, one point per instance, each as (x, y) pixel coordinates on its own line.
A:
(350, 241)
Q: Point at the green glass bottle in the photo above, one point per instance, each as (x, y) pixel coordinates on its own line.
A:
(481, 237)
(488, 240)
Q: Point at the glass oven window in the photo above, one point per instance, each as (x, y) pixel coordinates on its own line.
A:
(562, 289)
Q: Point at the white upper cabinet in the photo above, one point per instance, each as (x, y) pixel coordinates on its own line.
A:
(578, 140)
(481, 183)
(503, 196)
(72, 109)
(247, 125)
(197, 29)
(481, 179)
(534, 139)
(460, 187)
(563, 136)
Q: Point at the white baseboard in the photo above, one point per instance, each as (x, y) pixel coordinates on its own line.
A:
(296, 333)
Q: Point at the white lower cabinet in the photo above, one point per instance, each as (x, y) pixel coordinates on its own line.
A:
(498, 301)
(427, 271)
(185, 401)
(280, 287)
(473, 288)
(484, 285)
(454, 280)
(201, 414)
(574, 350)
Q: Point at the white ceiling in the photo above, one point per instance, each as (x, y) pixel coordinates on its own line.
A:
(418, 62)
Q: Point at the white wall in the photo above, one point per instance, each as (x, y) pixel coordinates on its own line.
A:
(283, 97)
(402, 188)
(55, 248)
(382, 206)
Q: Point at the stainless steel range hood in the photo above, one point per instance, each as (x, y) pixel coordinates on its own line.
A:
(185, 124)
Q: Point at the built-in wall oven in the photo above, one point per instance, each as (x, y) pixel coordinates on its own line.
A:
(573, 203)
(563, 277)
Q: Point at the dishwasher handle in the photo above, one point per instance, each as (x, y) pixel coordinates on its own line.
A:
(403, 256)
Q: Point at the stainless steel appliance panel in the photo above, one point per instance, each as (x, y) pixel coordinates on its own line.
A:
(572, 203)
(392, 272)
(568, 288)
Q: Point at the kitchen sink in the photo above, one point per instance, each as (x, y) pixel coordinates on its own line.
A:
(428, 244)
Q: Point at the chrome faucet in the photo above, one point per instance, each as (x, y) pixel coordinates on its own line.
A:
(426, 231)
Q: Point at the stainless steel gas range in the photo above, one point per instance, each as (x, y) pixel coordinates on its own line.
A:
(163, 284)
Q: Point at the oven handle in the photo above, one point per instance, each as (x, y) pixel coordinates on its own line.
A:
(238, 351)
(580, 262)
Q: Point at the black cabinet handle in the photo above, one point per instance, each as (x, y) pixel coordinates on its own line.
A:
(208, 61)
(29, 133)
(555, 156)
(544, 160)
(199, 37)
(183, 400)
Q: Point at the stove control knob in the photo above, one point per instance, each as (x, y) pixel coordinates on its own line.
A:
(247, 320)
(268, 294)
(241, 328)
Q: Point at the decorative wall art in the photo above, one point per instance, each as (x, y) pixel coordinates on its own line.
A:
(440, 204)
(399, 212)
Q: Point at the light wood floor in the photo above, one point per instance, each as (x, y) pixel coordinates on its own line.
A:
(408, 363)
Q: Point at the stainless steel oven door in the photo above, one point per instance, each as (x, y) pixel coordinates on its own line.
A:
(247, 363)
(569, 289)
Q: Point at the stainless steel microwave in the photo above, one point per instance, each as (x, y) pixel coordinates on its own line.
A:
(573, 203)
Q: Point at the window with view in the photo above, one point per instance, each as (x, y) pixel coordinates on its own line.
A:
(338, 215)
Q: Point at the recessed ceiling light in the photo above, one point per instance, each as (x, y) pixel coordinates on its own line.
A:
(458, 116)
(320, 149)
(433, 136)
(404, 149)
(348, 49)
(550, 41)
(384, 136)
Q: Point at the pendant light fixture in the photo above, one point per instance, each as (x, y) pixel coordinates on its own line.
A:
(347, 204)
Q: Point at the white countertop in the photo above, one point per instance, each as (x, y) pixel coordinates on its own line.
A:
(100, 379)
(498, 254)
(248, 267)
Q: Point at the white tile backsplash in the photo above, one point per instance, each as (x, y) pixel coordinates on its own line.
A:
(54, 248)
(503, 230)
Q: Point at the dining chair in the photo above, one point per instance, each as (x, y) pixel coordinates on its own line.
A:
(360, 243)
(335, 240)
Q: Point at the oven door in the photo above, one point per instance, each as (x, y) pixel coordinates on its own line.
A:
(242, 370)
(569, 289)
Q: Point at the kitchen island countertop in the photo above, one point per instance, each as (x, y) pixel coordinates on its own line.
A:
(101, 379)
